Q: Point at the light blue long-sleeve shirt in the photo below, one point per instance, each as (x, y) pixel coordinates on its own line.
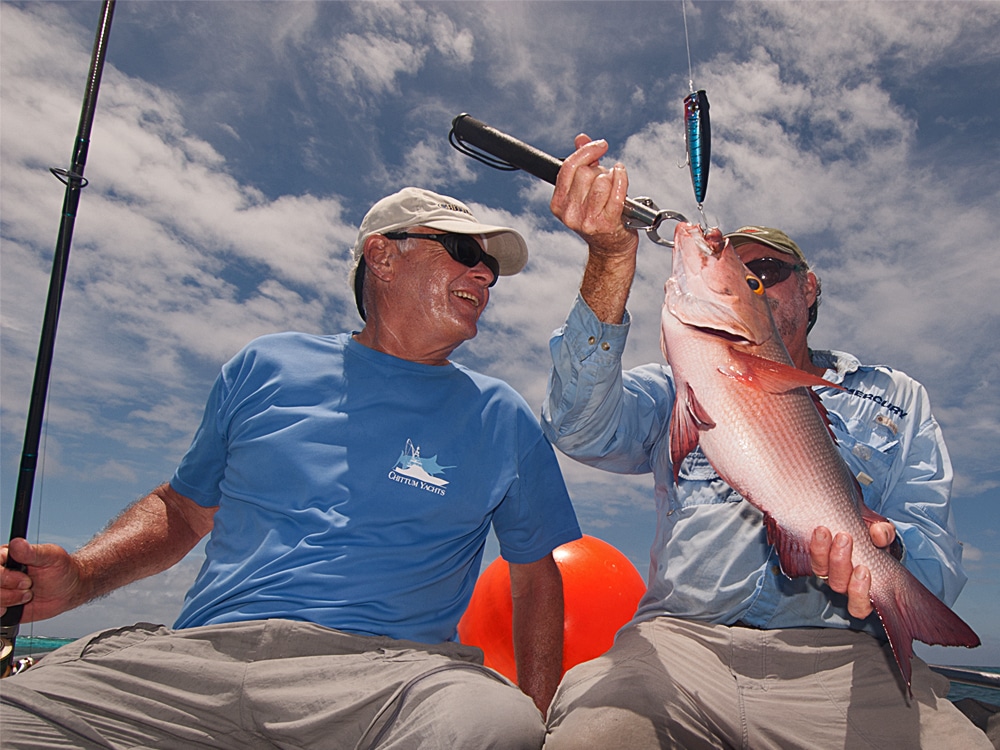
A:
(710, 559)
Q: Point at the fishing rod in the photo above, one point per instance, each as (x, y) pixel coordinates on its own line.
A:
(501, 151)
(74, 181)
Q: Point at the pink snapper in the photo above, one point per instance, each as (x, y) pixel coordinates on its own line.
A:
(765, 432)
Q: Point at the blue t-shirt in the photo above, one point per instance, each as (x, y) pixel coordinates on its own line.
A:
(356, 489)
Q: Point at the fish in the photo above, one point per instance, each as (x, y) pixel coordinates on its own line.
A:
(764, 431)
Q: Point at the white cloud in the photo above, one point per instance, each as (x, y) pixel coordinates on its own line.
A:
(371, 64)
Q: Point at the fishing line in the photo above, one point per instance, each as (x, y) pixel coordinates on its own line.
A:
(499, 150)
(687, 43)
(697, 130)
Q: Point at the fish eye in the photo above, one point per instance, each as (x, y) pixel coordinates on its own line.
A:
(755, 284)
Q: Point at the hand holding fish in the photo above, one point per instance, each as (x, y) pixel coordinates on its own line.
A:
(831, 558)
(588, 199)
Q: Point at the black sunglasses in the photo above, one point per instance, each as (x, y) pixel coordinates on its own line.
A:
(461, 247)
(772, 271)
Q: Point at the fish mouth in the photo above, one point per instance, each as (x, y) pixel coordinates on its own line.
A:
(725, 327)
(725, 335)
(707, 291)
(713, 317)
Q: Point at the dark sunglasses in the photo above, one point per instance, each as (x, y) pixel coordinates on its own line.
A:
(772, 271)
(461, 247)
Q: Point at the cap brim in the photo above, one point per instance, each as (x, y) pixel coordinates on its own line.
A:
(742, 238)
(503, 243)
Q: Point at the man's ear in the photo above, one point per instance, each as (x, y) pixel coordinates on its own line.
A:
(811, 288)
(379, 255)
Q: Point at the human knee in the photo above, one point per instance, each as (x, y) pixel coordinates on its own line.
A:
(466, 710)
(608, 728)
(499, 716)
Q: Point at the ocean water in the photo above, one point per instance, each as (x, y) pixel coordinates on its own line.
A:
(38, 645)
(34, 645)
(990, 695)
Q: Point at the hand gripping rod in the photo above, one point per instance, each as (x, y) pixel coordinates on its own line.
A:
(502, 151)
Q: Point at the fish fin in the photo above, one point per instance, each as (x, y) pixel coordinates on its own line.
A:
(792, 554)
(768, 375)
(868, 515)
(910, 611)
(697, 411)
(914, 612)
(686, 420)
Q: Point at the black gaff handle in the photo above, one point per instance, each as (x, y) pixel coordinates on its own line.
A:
(502, 151)
(466, 129)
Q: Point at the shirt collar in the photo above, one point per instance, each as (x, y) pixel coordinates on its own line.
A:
(837, 364)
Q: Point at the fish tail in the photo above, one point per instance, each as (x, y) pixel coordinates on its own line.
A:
(909, 610)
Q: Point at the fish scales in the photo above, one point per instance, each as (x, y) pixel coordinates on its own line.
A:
(746, 437)
(740, 398)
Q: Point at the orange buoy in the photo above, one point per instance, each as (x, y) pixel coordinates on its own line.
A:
(601, 589)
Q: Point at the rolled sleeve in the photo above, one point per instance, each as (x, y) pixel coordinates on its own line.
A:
(594, 412)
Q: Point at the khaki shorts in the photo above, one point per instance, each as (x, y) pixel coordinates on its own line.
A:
(263, 684)
(671, 683)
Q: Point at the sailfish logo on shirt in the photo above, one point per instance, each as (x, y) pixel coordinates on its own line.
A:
(411, 464)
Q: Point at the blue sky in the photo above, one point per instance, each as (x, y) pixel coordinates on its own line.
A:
(237, 145)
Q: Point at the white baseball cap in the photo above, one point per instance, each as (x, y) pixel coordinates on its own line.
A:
(412, 207)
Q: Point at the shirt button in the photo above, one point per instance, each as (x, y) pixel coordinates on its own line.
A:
(591, 340)
(605, 346)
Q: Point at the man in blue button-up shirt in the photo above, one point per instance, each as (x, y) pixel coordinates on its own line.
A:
(725, 650)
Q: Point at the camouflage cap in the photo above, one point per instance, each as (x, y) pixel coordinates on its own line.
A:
(767, 236)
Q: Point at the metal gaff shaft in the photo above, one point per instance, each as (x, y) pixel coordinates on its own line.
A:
(640, 213)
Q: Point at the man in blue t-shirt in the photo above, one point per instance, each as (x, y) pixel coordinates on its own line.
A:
(346, 484)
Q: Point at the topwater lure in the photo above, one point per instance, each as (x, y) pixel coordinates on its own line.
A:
(698, 137)
(697, 131)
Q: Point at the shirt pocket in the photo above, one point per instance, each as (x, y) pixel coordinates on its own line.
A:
(870, 463)
(699, 484)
